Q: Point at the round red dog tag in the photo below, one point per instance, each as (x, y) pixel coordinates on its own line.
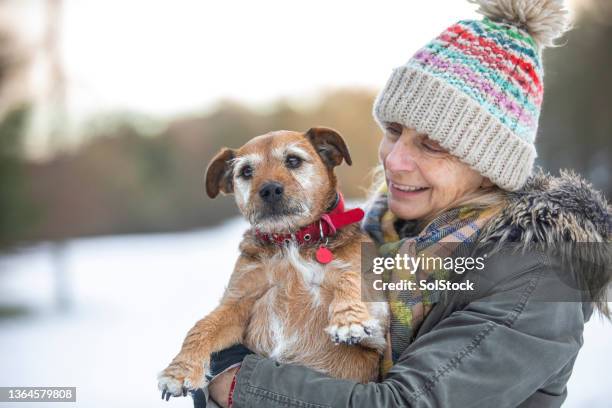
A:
(324, 255)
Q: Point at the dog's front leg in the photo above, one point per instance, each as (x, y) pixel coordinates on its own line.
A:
(350, 321)
(224, 327)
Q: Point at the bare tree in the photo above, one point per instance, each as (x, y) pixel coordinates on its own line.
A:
(56, 92)
(14, 64)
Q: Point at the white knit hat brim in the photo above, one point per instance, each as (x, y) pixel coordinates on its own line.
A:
(420, 101)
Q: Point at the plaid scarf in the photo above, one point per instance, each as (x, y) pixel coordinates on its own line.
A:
(443, 237)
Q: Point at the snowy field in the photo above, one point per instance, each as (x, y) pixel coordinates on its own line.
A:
(132, 299)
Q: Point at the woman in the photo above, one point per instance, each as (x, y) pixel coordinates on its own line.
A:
(459, 123)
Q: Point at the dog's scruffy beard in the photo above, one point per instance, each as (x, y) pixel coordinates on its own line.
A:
(286, 217)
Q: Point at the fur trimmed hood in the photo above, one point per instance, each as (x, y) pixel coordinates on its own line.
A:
(550, 210)
(563, 215)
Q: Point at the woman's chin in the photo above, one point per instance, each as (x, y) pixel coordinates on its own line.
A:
(407, 209)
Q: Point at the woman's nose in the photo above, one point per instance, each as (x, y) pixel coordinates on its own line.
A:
(401, 157)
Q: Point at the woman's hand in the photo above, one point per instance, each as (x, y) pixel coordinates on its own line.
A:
(219, 387)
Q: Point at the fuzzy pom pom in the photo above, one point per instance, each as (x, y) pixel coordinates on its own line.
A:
(544, 20)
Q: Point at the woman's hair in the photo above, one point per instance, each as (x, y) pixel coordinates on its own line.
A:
(487, 197)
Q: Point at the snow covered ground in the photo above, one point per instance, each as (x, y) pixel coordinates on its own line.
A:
(133, 298)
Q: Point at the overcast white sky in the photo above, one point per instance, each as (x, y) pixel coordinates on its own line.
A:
(164, 57)
(167, 57)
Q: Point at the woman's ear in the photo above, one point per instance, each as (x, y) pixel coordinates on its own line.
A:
(329, 146)
(219, 174)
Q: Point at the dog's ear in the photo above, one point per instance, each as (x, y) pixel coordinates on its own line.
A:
(219, 173)
(329, 146)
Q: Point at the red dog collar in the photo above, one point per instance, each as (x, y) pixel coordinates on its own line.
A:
(319, 230)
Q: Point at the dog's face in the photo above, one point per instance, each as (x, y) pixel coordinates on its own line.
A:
(282, 180)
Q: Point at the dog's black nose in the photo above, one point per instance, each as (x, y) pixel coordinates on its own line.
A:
(271, 192)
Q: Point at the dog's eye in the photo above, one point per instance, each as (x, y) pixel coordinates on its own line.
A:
(293, 162)
(246, 172)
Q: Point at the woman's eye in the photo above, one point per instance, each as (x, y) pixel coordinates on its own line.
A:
(246, 172)
(433, 146)
(293, 162)
(394, 129)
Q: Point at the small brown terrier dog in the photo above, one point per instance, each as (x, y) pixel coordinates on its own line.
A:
(283, 300)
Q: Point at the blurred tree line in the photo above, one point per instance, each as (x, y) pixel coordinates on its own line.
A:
(576, 121)
(125, 178)
(17, 212)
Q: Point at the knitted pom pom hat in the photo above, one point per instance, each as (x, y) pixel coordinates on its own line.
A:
(477, 88)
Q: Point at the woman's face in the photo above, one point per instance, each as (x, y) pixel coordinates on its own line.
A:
(422, 177)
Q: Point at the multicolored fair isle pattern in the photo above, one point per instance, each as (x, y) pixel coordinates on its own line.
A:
(496, 64)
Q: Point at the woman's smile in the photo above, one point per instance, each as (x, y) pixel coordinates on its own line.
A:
(405, 191)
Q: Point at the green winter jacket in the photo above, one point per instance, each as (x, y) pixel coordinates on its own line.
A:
(512, 342)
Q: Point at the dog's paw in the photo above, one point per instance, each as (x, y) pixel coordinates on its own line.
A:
(171, 387)
(178, 379)
(352, 333)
